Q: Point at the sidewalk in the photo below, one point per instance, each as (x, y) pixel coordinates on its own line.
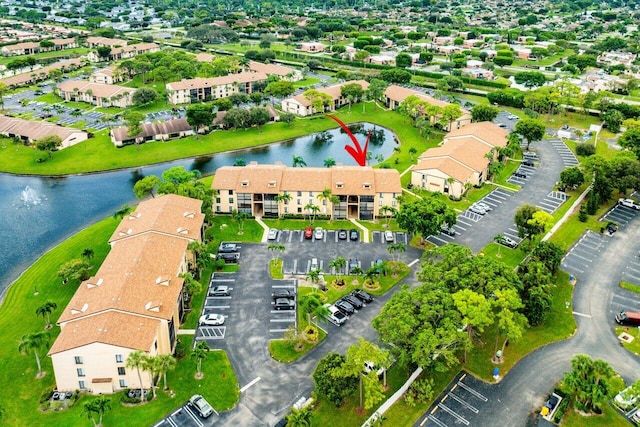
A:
(265, 234)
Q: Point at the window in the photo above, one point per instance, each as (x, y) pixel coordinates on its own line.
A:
(299, 201)
(123, 383)
(230, 192)
(231, 200)
(310, 193)
(218, 208)
(366, 185)
(310, 201)
(155, 345)
(82, 384)
(394, 203)
(339, 185)
(380, 203)
(78, 360)
(80, 372)
(121, 370)
(299, 193)
(393, 195)
(218, 199)
(382, 195)
(119, 358)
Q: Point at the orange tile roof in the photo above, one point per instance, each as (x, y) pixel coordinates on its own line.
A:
(446, 165)
(333, 91)
(399, 94)
(100, 90)
(468, 151)
(486, 131)
(201, 82)
(35, 130)
(169, 214)
(107, 328)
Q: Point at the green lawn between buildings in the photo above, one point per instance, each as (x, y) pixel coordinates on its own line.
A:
(17, 317)
(99, 153)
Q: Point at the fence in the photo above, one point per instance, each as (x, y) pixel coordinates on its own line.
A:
(393, 399)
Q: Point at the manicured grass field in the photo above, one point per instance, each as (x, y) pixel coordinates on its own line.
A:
(39, 284)
(511, 257)
(609, 417)
(633, 346)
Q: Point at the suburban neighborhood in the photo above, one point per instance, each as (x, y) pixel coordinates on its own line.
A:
(320, 213)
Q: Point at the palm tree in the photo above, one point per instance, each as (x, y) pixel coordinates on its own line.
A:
(299, 418)
(298, 161)
(338, 264)
(101, 406)
(412, 152)
(87, 253)
(138, 361)
(45, 311)
(313, 210)
(388, 212)
(276, 248)
(200, 353)
(396, 248)
(240, 218)
(329, 162)
(314, 276)
(34, 342)
(89, 409)
(166, 362)
(282, 198)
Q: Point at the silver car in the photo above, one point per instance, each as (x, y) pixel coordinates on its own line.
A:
(477, 209)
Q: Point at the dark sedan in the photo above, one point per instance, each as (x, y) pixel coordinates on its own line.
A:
(355, 302)
(362, 295)
(354, 234)
(345, 307)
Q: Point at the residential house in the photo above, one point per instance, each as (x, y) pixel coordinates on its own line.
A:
(30, 131)
(617, 58)
(100, 95)
(312, 47)
(285, 73)
(30, 48)
(107, 75)
(394, 95)
(133, 303)
(218, 120)
(93, 42)
(41, 73)
(462, 160)
(361, 191)
(161, 131)
(206, 89)
(302, 106)
(125, 52)
(478, 73)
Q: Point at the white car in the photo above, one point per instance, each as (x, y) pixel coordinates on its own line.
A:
(318, 233)
(629, 203)
(484, 206)
(273, 234)
(203, 407)
(212, 319)
(625, 399)
(388, 236)
(475, 208)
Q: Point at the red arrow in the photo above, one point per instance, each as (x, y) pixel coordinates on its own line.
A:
(359, 155)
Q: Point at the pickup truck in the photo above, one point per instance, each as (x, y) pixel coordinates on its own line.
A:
(629, 203)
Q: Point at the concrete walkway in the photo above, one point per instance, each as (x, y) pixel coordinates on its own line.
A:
(186, 331)
(265, 234)
(365, 231)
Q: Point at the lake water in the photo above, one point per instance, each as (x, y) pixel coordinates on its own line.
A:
(38, 213)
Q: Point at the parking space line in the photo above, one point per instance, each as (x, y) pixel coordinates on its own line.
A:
(625, 298)
(289, 319)
(192, 415)
(444, 242)
(464, 403)
(588, 316)
(255, 380)
(435, 420)
(581, 257)
(472, 391)
(217, 306)
(454, 414)
(461, 228)
(277, 331)
(571, 268)
(462, 222)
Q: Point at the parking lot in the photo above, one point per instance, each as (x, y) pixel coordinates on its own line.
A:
(553, 201)
(522, 175)
(459, 404)
(185, 416)
(219, 305)
(621, 215)
(280, 320)
(584, 253)
(568, 158)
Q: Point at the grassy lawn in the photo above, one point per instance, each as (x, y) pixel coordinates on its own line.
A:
(325, 414)
(609, 417)
(511, 257)
(66, 53)
(225, 229)
(558, 325)
(275, 269)
(630, 287)
(19, 370)
(99, 153)
(572, 229)
(574, 120)
(633, 346)
(509, 168)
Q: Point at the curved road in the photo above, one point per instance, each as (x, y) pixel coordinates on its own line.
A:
(523, 390)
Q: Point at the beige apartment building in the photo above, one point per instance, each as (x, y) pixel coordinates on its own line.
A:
(134, 302)
(98, 94)
(206, 89)
(259, 189)
(301, 106)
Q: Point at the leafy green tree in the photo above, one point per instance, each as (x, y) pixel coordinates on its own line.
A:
(133, 120)
(299, 418)
(630, 139)
(483, 113)
(35, 342)
(48, 144)
(144, 96)
(287, 118)
(3, 92)
(524, 220)
(89, 410)
(335, 388)
(589, 382)
(613, 119)
(280, 89)
(45, 310)
(103, 52)
(199, 116)
(165, 363)
(530, 129)
(503, 61)
(74, 270)
(298, 161)
(549, 254)
(354, 365)
(572, 177)
(537, 285)
(403, 60)
(475, 310)
(99, 405)
(511, 323)
(530, 79)
(145, 186)
(425, 216)
(319, 100)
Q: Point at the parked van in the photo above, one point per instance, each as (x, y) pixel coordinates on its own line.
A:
(628, 318)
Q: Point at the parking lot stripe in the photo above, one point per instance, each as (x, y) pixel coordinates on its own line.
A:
(223, 280)
(464, 403)
(454, 414)
(461, 228)
(192, 415)
(581, 257)
(472, 391)
(255, 380)
(277, 331)
(435, 420)
(289, 319)
(217, 306)
(571, 268)
(444, 242)
(283, 287)
(462, 222)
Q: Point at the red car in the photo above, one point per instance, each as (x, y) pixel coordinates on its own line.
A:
(308, 232)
